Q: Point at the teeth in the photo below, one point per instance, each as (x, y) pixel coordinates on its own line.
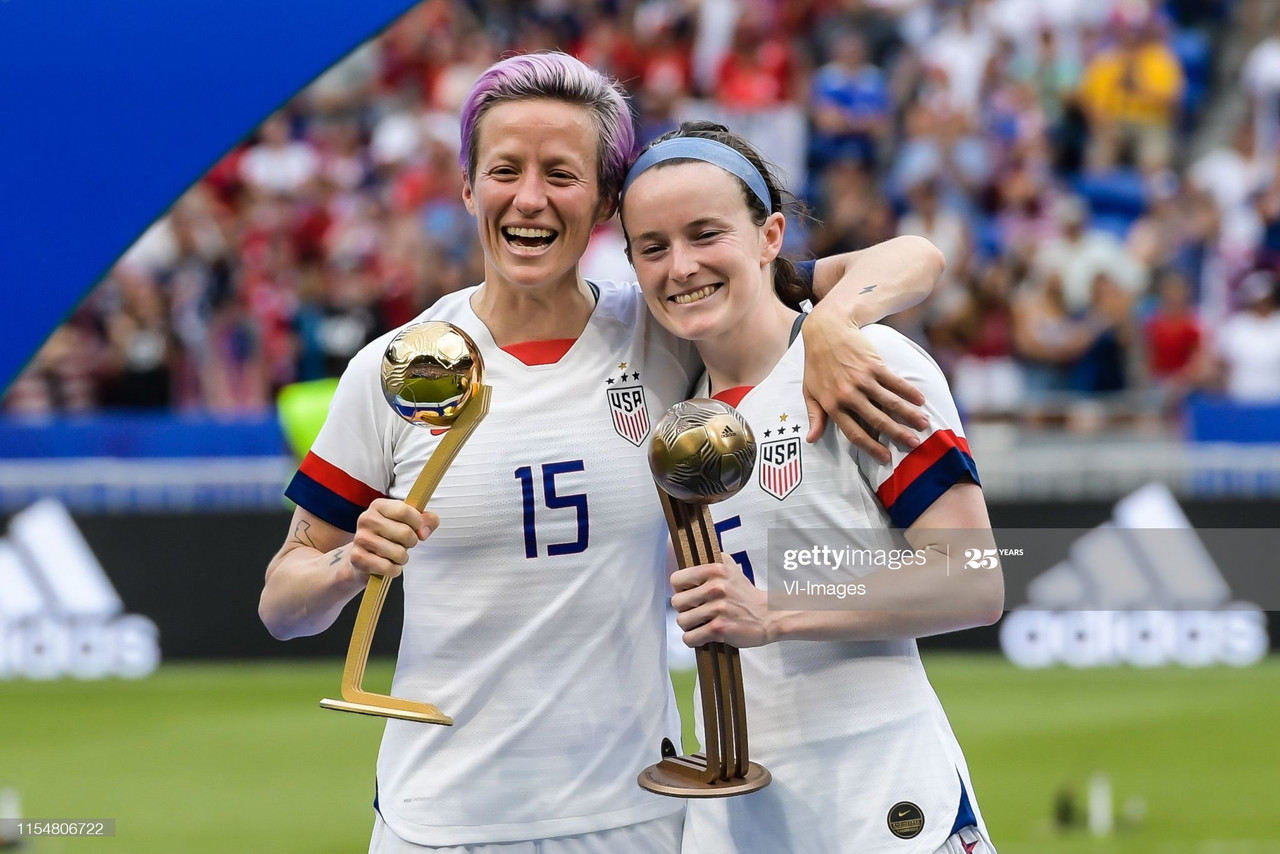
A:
(700, 294)
(529, 232)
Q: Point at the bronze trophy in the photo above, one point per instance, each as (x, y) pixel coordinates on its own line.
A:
(703, 452)
(432, 375)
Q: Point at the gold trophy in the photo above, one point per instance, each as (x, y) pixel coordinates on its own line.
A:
(703, 452)
(432, 375)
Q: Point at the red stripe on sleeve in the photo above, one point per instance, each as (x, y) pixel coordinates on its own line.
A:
(338, 481)
(917, 462)
(541, 352)
(733, 396)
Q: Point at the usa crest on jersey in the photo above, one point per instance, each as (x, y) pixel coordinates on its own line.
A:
(779, 466)
(630, 415)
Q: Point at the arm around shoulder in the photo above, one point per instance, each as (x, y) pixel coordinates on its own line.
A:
(870, 284)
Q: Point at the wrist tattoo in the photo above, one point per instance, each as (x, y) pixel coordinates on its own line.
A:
(302, 534)
(337, 556)
(868, 289)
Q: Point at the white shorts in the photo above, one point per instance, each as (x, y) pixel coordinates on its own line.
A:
(967, 841)
(657, 836)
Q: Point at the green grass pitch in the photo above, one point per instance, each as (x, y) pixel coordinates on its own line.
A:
(237, 757)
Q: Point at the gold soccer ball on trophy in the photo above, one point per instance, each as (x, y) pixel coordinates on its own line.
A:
(702, 451)
(429, 372)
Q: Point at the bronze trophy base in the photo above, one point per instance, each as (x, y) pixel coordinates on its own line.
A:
(684, 777)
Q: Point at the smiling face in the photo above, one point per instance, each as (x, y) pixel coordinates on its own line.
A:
(702, 263)
(536, 193)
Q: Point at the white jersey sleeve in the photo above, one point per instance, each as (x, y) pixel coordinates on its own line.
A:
(913, 479)
(351, 461)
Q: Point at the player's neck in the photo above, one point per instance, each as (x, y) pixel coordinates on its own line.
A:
(747, 354)
(516, 315)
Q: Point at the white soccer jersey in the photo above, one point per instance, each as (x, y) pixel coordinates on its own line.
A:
(534, 613)
(852, 731)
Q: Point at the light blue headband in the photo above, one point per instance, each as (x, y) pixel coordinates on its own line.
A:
(708, 151)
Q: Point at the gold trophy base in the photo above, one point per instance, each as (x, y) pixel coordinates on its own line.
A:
(685, 777)
(425, 715)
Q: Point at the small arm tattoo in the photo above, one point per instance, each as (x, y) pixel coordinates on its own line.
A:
(868, 289)
(302, 533)
(337, 556)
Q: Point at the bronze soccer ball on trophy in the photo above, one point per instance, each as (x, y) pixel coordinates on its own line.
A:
(702, 451)
(429, 372)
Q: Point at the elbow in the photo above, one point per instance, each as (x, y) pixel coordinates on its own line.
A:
(935, 261)
(929, 256)
(991, 617)
(277, 625)
(991, 605)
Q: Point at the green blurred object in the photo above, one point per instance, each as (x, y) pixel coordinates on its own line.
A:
(302, 408)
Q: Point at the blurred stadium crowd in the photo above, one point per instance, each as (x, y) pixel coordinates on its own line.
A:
(1110, 249)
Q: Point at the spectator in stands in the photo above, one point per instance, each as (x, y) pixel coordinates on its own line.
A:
(1023, 197)
(1130, 93)
(960, 52)
(277, 164)
(1232, 175)
(1172, 338)
(1261, 78)
(927, 217)
(1103, 366)
(63, 375)
(849, 106)
(985, 375)
(1048, 339)
(1268, 207)
(1247, 347)
(1157, 237)
(1052, 71)
(756, 72)
(346, 89)
(668, 59)
(140, 342)
(851, 210)
(941, 143)
(877, 26)
(1081, 253)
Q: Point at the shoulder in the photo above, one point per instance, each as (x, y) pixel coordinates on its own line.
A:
(620, 301)
(897, 349)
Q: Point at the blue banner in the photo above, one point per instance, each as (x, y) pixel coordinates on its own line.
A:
(110, 110)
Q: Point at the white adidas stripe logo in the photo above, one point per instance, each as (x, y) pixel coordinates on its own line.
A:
(1142, 590)
(59, 613)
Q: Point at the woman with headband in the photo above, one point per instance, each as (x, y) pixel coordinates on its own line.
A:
(534, 584)
(842, 715)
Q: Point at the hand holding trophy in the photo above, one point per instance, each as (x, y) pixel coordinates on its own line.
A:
(703, 452)
(432, 375)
